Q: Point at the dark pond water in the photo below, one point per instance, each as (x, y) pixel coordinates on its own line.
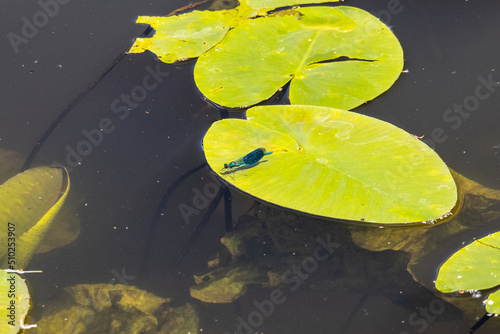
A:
(450, 48)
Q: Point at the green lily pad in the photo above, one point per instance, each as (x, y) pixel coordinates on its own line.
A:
(189, 35)
(493, 302)
(270, 4)
(333, 163)
(332, 56)
(184, 36)
(29, 203)
(474, 267)
(14, 302)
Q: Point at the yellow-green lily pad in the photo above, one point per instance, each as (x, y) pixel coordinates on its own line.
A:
(333, 163)
(474, 267)
(189, 35)
(184, 36)
(14, 302)
(29, 203)
(493, 302)
(332, 56)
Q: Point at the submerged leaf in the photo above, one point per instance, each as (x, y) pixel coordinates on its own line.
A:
(332, 56)
(65, 228)
(333, 163)
(29, 202)
(114, 309)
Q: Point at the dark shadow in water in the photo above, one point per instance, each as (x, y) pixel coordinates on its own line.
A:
(153, 226)
(480, 322)
(224, 191)
(34, 151)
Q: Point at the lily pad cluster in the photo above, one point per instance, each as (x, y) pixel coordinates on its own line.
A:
(189, 35)
(321, 159)
(332, 56)
(353, 167)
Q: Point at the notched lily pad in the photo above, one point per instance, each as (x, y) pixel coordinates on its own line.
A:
(332, 56)
(333, 163)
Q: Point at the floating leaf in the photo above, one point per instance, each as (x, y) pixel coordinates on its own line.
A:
(474, 267)
(189, 35)
(14, 302)
(29, 202)
(271, 4)
(493, 302)
(333, 163)
(184, 36)
(332, 56)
